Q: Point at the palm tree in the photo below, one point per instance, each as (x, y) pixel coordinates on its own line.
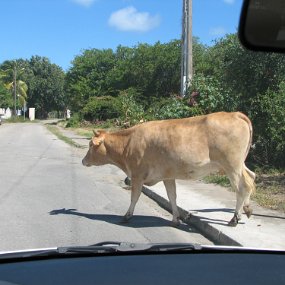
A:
(18, 87)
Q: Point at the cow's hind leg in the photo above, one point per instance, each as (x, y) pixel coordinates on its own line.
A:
(248, 183)
(243, 184)
(171, 193)
(136, 190)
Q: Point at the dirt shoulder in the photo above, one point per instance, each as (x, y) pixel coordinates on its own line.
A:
(270, 191)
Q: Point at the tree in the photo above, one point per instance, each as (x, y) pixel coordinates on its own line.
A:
(153, 70)
(88, 77)
(19, 88)
(46, 86)
(244, 72)
(11, 72)
(5, 96)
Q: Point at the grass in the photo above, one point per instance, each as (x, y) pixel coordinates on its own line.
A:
(218, 179)
(19, 119)
(56, 131)
(84, 132)
(270, 188)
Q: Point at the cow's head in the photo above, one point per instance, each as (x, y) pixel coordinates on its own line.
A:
(96, 154)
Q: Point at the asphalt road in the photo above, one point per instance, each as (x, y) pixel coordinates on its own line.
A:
(47, 198)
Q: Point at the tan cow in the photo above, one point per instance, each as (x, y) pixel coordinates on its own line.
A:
(187, 148)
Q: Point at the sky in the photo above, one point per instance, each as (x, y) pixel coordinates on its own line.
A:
(63, 29)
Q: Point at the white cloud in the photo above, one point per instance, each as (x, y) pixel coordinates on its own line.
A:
(230, 2)
(217, 31)
(85, 3)
(129, 19)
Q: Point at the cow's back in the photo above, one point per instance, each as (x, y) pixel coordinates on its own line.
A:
(183, 145)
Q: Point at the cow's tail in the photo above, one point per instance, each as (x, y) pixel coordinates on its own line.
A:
(247, 120)
(248, 175)
(249, 181)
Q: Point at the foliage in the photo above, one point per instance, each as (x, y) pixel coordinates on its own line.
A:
(212, 95)
(245, 73)
(74, 121)
(56, 131)
(46, 86)
(101, 108)
(171, 108)
(5, 97)
(269, 125)
(222, 180)
(11, 72)
(21, 90)
(131, 111)
(88, 77)
(152, 70)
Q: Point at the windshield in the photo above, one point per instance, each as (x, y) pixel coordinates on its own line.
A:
(139, 122)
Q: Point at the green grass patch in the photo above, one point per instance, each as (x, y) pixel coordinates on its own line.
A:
(19, 119)
(84, 132)
(270, 188)
(56, 131)
(218, 179)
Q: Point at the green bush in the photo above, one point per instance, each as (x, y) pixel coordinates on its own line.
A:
(131, 111)
(213, 97)
(101, 108)
(267, 114)
(174, 107)
(74, 121)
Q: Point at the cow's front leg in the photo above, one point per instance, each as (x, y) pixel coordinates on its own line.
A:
(136, 190)
(171, 193)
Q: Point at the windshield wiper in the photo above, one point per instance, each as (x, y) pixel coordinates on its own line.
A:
(150, 247)
(108, 247)
(114, 247)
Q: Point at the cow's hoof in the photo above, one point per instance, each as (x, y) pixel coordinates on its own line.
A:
(175, 224)
(248, 211)
(234, 221)
(126, 218)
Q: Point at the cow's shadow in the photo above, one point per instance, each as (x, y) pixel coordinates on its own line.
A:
(137, 221)
(227, 210)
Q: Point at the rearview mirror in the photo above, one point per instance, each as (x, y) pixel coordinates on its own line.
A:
(262, 25)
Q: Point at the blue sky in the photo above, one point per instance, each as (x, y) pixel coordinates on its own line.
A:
(62, 29)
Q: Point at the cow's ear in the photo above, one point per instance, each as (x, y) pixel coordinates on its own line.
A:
(97, 133)
(97, 141)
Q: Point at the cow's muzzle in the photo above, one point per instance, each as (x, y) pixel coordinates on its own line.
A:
(85, 163)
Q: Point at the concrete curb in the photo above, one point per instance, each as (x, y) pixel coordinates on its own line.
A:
(191, 219)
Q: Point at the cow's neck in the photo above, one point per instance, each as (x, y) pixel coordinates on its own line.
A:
(115, 144)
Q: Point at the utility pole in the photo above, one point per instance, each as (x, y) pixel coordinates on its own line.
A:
(15, 87)
(186, 47)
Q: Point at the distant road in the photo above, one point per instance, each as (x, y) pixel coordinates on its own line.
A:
(47, 198)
